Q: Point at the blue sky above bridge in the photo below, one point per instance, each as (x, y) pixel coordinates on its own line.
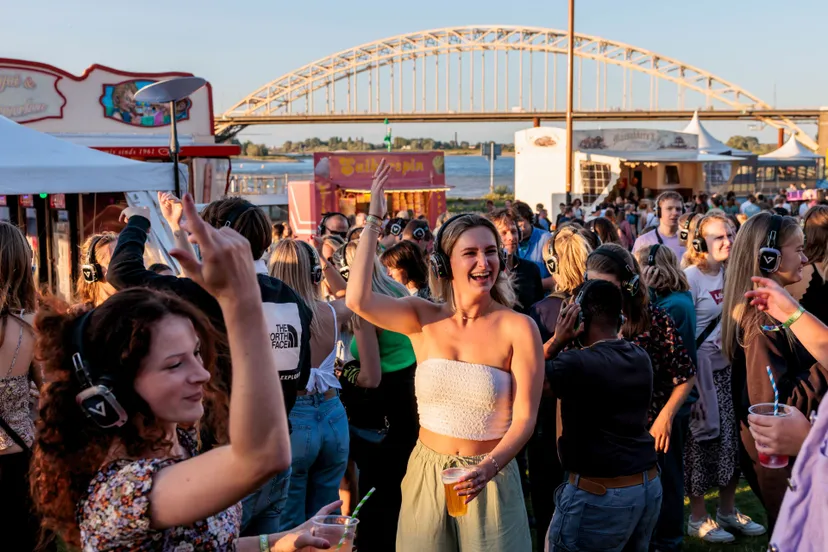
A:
(759, 45)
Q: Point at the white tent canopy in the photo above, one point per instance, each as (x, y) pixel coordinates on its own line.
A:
(707, 142)
(32, 162)
(792, 150)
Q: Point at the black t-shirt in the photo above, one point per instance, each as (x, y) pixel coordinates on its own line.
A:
(527, 283)
(605, 391)
(288, 317)
(545, 314)
(814, 298)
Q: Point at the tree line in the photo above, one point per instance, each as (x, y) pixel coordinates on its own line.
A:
(336, 143)
(398, 143)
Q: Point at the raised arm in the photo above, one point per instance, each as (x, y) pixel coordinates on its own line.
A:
(259, 440)
(126, 268)
(397, 315)
(172, 209)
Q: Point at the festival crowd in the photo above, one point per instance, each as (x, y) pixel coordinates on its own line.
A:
(429, 382)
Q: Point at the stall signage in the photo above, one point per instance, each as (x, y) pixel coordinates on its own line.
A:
(28, 95)
(346, 169)
(57, 201)
(26, 201)
(3, 202)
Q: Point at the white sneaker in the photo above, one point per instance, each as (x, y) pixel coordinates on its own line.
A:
(708, 530)
(740, 522)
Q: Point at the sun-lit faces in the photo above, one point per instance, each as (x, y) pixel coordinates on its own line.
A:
(475, 260)
(172, 376)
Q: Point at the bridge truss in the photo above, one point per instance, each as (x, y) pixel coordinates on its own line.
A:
(490, 73)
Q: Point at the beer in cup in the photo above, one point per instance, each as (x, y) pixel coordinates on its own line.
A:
(456, 504)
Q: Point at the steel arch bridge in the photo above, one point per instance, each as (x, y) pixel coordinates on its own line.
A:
(427, 72)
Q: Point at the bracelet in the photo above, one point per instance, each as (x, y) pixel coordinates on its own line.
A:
(372, 228)
(264, 543)
(794, 317)
(372, 219)
(496, 465)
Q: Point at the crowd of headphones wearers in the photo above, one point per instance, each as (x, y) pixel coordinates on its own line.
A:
(591, 339)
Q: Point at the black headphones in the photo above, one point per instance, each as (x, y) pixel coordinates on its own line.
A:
(316, 265)
(395, 227)
(769, 256)
(354, 233)
(96, 399)
(651, 256)
(419, 233)
(341, 260)
(699, 243)
(439, 261)
(237, 212)
(320, 230)
(552, 260)
(91, 270)
(684, 233)
(632, 283)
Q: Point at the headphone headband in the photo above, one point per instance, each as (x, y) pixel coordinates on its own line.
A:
(325, 216)
(773, 233)
(316, 264)
(769, 256)
(235, 214)
(651, 256)
(631, 283)
(92, 271)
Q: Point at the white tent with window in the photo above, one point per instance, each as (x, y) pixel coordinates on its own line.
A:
(32, 162)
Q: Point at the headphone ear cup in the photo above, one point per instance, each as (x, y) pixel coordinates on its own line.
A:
(440, 266)
(552, 264)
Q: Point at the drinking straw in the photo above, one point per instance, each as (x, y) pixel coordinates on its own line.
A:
(775, 392)
(354, 515)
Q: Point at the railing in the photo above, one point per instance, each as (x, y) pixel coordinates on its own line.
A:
(256, 184)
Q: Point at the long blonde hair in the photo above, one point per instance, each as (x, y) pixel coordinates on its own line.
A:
(572, 249)
(381, 282)
(691, 256)
(291, 263)
(442, 288)
(741, 322)
(90, 293)
(663, 276)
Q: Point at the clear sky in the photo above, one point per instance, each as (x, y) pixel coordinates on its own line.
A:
(756, 44)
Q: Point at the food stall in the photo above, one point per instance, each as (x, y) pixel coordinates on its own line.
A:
(342, 183)
(95, 111)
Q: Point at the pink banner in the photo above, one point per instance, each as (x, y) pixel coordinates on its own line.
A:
(354, 170)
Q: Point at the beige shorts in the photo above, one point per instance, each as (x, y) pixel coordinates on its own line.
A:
(496, 520)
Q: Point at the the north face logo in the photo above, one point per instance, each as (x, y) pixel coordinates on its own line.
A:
(284, 337)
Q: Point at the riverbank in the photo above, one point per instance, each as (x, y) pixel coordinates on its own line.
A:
(290, 159)
(267, 158)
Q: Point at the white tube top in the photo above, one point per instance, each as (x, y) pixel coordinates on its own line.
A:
(463, 400)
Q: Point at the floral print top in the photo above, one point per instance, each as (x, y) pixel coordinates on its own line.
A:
(672, 365)
(114, 516)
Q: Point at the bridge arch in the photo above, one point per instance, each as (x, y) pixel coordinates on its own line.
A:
(296, 92)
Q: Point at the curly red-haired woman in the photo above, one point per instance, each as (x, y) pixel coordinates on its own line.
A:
(122, 471)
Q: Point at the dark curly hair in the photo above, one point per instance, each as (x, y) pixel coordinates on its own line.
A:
(406, 256)
(70, 449)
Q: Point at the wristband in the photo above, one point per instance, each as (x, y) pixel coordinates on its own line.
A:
(264, 544)
(794, 317)
(371, 219)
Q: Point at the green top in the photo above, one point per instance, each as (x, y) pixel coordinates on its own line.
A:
(395, 351)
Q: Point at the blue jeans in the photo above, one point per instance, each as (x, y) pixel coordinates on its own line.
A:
(261, 510)
(319, 444)
(620, 520)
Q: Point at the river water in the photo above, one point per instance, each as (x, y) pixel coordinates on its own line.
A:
(467, 175)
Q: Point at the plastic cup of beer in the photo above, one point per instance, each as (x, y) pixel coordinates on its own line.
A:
(333, 528)
(773, 461)
(456, 504)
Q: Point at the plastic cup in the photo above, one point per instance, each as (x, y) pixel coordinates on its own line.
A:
(332, 528)
(772, 461)
(455, 503)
